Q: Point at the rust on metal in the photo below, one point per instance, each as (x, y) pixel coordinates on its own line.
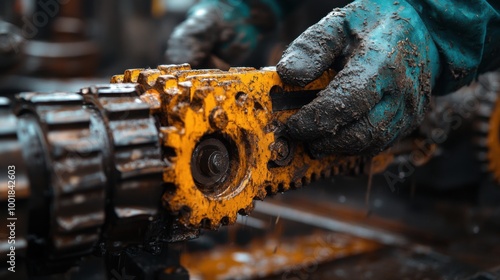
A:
(493, 142)
(235, 107)
(245, 109)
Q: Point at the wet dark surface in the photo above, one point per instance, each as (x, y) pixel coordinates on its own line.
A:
(422, 233)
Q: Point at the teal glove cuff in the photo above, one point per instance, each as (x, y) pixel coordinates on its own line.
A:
(467, 35)
(387, 64)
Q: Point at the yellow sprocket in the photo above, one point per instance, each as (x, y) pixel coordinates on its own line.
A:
(487, 123)
(230, 118)
(493, 141)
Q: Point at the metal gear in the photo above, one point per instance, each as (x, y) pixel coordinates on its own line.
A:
(86, 167)
(494, 143)
(132, 157)
(224, 142)
(57, 130)
(203, 144)
(487, 123)
(15, 194)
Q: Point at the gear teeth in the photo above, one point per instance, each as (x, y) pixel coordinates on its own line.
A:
(484, 110)
(185, 212)
(12, 163)
(234, 107)
(296, 184)
(487, 124)
(78, 178)
(482, 127)
(480, 142)
(131, 75)
(147, 78)
(206, 223)
(117, 79)
(182, 75)
(171, 69)
(482, 156)
(197, 102)
(134, 142)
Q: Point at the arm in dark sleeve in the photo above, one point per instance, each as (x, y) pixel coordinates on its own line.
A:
(467, 35)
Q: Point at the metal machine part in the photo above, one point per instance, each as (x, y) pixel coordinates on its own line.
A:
(487, 123)
(91, 160)
(125, 168)
(224, 139)
(63, 155)
(14, 194)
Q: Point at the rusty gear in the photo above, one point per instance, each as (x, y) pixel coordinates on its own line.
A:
(201, 143)
(15, 193)
(494, 143)
(57, 128)
(132, 159)
(224, 139)
(487, 123)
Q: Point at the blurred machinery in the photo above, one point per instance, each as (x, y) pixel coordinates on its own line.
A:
(130, 169)
(113, 179)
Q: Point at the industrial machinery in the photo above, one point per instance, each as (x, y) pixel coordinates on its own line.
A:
(127, 170)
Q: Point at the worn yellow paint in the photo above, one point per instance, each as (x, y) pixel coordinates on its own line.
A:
(184, 101)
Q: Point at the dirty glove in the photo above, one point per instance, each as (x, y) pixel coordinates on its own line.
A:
(389, 56)
(228, 29)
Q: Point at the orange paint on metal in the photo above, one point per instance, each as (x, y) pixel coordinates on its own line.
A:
(493, 142)
(237, 106)
(270, 256)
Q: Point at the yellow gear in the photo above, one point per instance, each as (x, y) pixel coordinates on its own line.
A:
(493, 142)
(226, 112)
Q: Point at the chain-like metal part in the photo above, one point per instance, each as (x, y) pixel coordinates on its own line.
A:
(238, 110)
(487, 123)
(202, 144)
(67, 172)
(493, 143)
(132, 158)
(94, 162)
(14, 196)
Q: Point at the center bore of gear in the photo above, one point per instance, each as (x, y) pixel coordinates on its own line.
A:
(210, 165)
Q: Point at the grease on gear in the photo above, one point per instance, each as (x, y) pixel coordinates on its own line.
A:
(234, 109)
(204, 143)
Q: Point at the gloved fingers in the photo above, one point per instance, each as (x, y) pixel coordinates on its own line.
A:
(192, 41)
(185, 50)
(314, 51)
(348, 97)
(385, 123)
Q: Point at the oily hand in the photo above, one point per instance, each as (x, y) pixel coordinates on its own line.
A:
(387, 65)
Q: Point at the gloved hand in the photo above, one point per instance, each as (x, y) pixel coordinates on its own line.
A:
(388, 62)
(228, 29)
